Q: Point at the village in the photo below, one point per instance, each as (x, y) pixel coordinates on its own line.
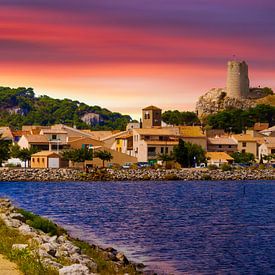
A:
(141, 144)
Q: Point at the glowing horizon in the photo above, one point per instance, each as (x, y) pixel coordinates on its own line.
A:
(129, 54)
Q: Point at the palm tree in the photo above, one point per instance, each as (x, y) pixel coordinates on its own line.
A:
(104, 156)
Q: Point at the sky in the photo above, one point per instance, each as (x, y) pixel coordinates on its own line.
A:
(127, 54)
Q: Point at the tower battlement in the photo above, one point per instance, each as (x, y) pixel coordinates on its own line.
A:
(237, 84)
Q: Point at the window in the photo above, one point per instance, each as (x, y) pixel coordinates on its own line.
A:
(244, 144)
(117, 141)
(54, 137)
(166, 150)
(243, 151)
(38, 160)
(146, 115)
(43, 160)
(161, 150)
(229, 146)
(33, 160)
(220, 146)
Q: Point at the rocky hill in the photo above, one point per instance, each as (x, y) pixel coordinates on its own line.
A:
(20, 107)
(216, 100)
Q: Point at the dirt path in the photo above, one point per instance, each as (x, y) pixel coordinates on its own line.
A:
(7, 267)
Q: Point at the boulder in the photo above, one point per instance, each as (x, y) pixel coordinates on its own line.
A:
(75, 269)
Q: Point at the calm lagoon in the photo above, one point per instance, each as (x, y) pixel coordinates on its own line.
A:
(172, 227)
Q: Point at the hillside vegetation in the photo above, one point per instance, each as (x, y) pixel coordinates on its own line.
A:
(20, 107)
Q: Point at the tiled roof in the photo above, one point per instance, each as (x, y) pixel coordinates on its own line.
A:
(244, 137)
(151, 108)
(191, 131)
(222, 141)
(168, 131)
(53, 131)
(260, 126)
(125, 136)
(45, 154)
(161, 142)
(37, 139)
(218, 156)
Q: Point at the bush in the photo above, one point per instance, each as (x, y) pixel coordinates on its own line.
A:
(212, 167)
(206, 177)
(42, 224)
(226, 167)
(171, 177)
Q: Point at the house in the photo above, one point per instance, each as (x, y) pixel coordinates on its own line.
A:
(218, 158)
(267, 147)
(148, 143)
(57, 138)
(45, 159)
(6, 133)
(247, 143)
(124, 144)
(222, 144)
(39, 141)
(193, 134)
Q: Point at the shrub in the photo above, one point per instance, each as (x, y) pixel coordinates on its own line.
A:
(212, 167)
(42, 224)
(226, 167)
(206, 177)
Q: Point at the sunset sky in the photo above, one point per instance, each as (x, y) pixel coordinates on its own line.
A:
(127, 54)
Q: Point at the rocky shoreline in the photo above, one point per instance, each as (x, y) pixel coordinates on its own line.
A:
(54, 251)
(56, 175)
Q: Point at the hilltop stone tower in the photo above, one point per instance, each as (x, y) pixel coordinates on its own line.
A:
(237, 85)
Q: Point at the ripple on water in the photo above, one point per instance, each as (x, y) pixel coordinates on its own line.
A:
(177, 227)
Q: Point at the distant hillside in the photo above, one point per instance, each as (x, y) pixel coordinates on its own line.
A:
(21, 107)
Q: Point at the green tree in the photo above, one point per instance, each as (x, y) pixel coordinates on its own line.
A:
(104, 156)
(187, 154)
(243, 157)
(4, 149)
(180, 118)
(78, 155)
(165, 158)
(23, 154)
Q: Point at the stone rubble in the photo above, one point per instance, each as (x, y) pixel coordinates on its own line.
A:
(51, 249)
(57, 175)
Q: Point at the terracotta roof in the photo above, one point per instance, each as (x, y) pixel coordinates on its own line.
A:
(260, 126)
(45, 154)
(99, 135)
(271, 129)
(191, 131)
(125, 136)
(222, 140)
(218, 156)
(244, 137)
(151, 107)
(161, 142)
(53, 131)
(168, 131)
(37, 139)
(20, 133)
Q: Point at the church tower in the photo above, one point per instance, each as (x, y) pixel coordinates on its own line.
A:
(151, 117)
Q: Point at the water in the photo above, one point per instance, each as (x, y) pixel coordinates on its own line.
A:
(176, 227)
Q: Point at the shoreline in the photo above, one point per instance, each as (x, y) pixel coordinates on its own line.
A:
(184, 174)
(56, 251)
